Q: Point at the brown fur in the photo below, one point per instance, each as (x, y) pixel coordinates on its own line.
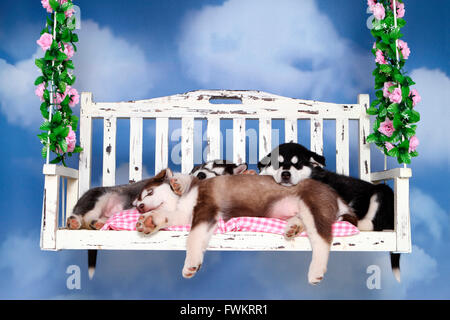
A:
(249, 195)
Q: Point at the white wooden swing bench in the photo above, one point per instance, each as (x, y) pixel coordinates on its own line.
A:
(64, 185)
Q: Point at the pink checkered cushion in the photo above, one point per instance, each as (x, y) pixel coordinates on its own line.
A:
(126, 220)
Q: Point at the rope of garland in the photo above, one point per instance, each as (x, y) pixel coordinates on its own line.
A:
(55, 85)
(394, 128)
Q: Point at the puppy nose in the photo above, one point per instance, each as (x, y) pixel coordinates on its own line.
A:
(141, 207)
(285, 175)
(201, 175)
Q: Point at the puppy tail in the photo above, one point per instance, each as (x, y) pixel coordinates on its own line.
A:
(92, 261)
(395, 265)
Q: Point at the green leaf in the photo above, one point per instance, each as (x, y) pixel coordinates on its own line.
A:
(393, 108)
(46, 126)
(401, 22)
(48, 56)
(77, 149)
(54, 4)
(405, 92)
(393, 152)
(414, 154)
(46, 95)
(372, 111)
(44, 110)
(65, 35)
(63, 145)
(414, 116)
(60, 17)
(69, 64)
(74, 38)
(62, 86)
(57, 118)
(397, 122)
(385, 68)
(39, 63)
(379, 94)
(58, 159)
(67, 5)
(409, 132)
(39, 80)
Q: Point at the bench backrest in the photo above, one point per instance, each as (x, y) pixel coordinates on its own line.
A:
(258, 105)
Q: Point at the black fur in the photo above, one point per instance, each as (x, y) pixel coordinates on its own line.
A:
(357, 193)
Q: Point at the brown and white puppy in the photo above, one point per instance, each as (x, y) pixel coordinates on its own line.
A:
(309, 205)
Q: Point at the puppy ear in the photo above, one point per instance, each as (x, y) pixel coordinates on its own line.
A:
(164, 174)
(317, 160)
(264, 162)
(240, 168)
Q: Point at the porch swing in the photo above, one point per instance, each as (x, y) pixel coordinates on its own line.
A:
(63, 185)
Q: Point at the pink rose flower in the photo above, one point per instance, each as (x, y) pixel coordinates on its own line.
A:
(371, 3)
(40, 91)
(380, 57)
(45, 41)
(378, 11)
(414, 94)
(68, 50)
(400, 9)
(74, 97)
(386, 87)
(413, 143)
(71, 141)
(387, 127)
(389, 146)
(47, 6)
(396, 96)
(403, 46)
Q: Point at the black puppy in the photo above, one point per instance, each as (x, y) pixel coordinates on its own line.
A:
(290, 163)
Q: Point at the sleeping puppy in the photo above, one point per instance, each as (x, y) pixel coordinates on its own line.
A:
(309, 205)
(98, 204)
(216, 168)
(291, 163)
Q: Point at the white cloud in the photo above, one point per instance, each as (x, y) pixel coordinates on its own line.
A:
(433, 86)
(105, 64)
(287, 47)
(428, 219)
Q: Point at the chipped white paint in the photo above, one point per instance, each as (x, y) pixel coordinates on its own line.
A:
(265, 137)
(109, 151)
(255, 105)
(239, 140)
(187, 144)
(161, 144)
(135, 164)
(364, 131)
(86, 143)
(213, 139)
(176, 240)
(342, 147)
(317, 135)
(290, 130)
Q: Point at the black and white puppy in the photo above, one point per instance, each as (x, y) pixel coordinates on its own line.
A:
(373, 204)
(216, 168)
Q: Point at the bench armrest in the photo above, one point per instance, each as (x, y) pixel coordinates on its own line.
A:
(402, 222)
(55, 176)
(391, 174)
(56, 170)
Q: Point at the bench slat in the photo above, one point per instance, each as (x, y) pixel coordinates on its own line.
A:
(239, 140)
(187, 144)
(213, 139)
(265, 137)
(290, 130)
(85, 143)
(109, 151)
(161, 144)
(342, 147)
(135, 165)
(317, 135)
(364, 131)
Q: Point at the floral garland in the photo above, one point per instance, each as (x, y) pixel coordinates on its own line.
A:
(394, 131)
(54, 86)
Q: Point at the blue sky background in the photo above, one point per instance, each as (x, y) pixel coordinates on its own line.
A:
(142, 49)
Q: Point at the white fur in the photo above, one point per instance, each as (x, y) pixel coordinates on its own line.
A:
(296, 175)
(366, 223)
(320, 248)
(294, 160)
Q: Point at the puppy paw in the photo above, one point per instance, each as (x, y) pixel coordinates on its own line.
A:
(192, 265)
(73, 223)
(145, 224)
(316, 273)
(293, 228)
(96, 224)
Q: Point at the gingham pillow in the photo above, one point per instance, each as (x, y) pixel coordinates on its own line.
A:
(126, 220)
